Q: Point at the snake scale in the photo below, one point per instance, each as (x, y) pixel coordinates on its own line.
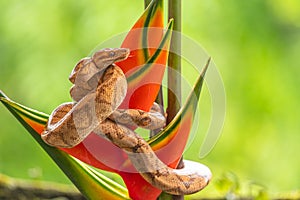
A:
(99, 88)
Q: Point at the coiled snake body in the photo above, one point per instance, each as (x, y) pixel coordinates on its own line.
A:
(99, 88)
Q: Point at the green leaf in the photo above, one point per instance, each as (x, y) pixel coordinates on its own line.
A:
(91, 183)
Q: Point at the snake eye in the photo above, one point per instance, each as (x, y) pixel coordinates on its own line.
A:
(112, 54)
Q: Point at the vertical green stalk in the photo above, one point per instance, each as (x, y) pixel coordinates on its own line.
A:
(174, 61)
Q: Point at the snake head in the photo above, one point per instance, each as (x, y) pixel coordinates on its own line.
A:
(98, 62)
(108, 56)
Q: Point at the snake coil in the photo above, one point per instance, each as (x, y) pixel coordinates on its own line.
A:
(99, 88)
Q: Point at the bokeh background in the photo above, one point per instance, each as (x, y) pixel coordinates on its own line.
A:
(254, 43)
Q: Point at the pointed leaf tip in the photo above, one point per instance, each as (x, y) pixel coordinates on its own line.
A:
(202, 73)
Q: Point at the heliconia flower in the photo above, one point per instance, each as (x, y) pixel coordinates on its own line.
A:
(144, 69)
(83, 176)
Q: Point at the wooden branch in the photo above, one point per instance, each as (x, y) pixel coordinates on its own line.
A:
(12, 188)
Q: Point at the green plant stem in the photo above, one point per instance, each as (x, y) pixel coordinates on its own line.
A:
(174, 61)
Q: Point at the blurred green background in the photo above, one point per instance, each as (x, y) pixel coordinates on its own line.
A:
(254, 43)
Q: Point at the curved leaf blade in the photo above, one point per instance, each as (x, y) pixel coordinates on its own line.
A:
(146, 32)
(145, 80)
(92, 184)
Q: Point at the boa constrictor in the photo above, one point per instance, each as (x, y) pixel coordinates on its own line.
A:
(99, 88)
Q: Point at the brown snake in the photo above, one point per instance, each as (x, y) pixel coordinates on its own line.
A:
(99, 88)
